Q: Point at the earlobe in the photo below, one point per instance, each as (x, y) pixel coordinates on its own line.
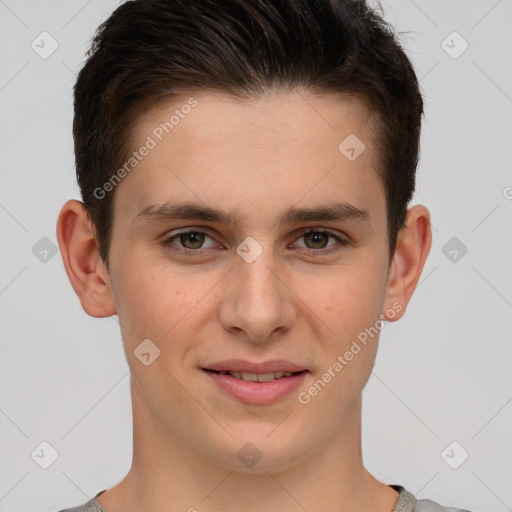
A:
(84, 267)
(413, 246)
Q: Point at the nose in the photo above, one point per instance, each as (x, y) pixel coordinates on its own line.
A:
(258, 302)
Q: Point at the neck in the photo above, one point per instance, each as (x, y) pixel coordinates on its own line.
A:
(168, 474)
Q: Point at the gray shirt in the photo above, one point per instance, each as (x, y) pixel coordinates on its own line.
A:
(406, 503)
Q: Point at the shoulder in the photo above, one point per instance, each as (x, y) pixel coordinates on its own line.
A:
(431, 506)
(90, 506)
(408, 503)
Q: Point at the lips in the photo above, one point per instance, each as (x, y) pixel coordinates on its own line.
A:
(256, 383)
(256, 393)
(241, 365)
(256, 377)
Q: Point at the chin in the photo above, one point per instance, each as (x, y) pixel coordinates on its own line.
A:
(260, 449)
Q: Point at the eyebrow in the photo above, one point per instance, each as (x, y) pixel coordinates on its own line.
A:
(337, 211)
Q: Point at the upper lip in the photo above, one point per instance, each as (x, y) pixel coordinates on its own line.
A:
(241, 365)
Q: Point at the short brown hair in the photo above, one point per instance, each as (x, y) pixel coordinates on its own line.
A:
(148, 50)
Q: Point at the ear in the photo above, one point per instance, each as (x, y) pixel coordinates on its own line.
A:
(85, 269)
(413, 246)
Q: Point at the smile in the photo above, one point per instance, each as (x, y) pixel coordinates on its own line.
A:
(256, 388)
(256, 377)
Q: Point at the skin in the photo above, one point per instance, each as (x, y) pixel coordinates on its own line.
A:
(257, 158)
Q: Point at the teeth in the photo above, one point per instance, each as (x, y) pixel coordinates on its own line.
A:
(252, 377)
(257, 377)
(266, 377)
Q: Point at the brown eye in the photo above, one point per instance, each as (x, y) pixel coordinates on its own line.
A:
(193, 243)
(317, 239)
(316, 242)
(194, 238)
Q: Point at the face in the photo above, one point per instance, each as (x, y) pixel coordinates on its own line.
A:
(276, 260)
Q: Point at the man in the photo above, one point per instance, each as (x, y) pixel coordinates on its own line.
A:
(246, 168)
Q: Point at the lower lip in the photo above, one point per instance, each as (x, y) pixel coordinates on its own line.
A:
(257, 393)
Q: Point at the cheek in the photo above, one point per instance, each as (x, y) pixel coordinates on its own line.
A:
(160, 303)
(348, 299)
(147, 299)
(349, 305)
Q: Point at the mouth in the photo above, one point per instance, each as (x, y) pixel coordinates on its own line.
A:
(256, 377)
(256, 384)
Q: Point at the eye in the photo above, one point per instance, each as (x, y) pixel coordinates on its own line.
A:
(191, 242)
(317, 241)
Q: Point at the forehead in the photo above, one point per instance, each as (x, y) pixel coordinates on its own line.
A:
(272, 149)
(259, 118)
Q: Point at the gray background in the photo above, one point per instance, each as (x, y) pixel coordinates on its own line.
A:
(442, 373)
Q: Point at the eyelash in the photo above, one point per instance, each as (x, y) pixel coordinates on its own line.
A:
(168, 243)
